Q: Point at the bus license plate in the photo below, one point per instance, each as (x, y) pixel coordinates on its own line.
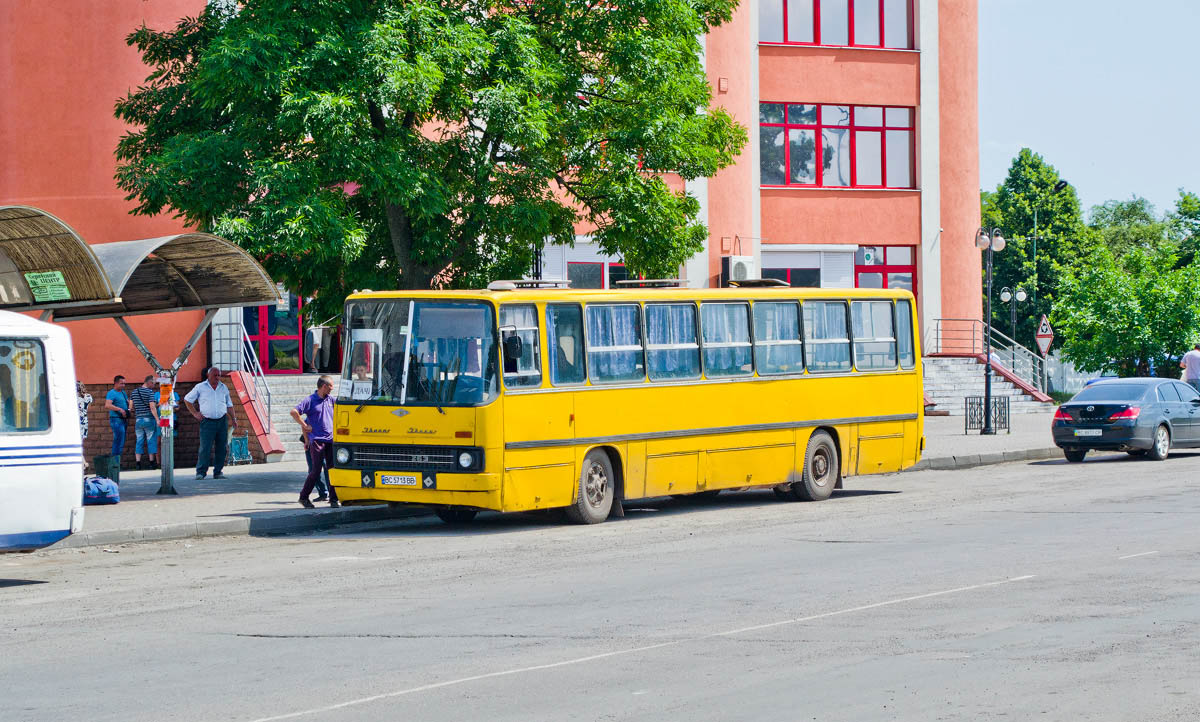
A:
(1089, 432)
(398, 480)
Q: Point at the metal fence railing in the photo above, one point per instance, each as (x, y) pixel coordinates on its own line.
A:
(966, 336)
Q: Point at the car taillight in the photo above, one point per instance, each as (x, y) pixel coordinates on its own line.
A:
(1127, 413)
(1061, 415)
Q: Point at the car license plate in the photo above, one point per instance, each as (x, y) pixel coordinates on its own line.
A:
(1089, 432)
(398, 480)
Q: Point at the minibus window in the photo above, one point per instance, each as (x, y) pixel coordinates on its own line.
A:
(777, 345)
(904, 334)
(614, 334)
(826, 338)
(671, 348)
(24, 395)
(726, 331)
(520, 322)
(874, 335)
(564, 333)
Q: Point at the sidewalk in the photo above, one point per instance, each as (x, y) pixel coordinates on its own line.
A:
(261, 499)
(257, 499)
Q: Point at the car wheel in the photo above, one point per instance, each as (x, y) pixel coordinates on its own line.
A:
(1162, 444)
(594, 497)
(820, 469)
(1074, 455)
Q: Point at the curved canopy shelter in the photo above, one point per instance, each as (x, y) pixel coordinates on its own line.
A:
(46, 266)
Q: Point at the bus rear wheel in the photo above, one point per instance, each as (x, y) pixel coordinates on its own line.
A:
(820, 469)
(594, 497)
(455, 514)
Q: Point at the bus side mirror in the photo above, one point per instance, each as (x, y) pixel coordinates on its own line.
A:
(513, 348)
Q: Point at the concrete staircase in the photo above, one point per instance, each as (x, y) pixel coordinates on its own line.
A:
(948, 380)
(286, 392)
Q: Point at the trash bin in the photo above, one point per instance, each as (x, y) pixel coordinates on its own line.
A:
(107, 466)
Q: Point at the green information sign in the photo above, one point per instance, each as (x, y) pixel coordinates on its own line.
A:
(48, 286)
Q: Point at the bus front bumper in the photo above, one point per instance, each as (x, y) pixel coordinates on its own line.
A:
(481, 491)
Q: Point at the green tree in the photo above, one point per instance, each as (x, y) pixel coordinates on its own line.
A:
(1183, 225)
(1124, 225)
(381, 143)
(1129, 314)
(1033, 185)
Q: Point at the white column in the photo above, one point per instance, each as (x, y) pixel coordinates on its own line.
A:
(929, 258)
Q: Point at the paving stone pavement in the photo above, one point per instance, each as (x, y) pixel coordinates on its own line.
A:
(261, 499)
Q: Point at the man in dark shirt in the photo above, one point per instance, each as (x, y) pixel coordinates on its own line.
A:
(317, 424)
(145, 413)
(117, 405)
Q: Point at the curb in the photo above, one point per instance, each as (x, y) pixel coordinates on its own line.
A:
(289, 523)
(968, 461)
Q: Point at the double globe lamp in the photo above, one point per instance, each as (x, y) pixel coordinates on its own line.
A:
(992, 241)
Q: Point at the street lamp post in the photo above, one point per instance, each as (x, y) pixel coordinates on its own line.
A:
(992, 241)
(1012, 298)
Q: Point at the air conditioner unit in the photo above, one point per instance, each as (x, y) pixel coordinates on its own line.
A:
(737, 268)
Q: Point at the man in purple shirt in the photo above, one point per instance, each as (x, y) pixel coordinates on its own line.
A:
(318, 426)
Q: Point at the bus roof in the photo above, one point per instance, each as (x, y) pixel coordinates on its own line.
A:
(586, 295)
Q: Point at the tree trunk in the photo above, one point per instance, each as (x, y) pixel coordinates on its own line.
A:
(413, 276)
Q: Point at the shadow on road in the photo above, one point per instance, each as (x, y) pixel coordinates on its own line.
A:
(1116, 458)
(20, 582)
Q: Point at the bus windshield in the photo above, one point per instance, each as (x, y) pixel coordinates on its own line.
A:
(448, 359)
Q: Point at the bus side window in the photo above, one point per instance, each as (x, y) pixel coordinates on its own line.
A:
(777, 345)
(726, 332)
(24, 396)
(874, 335)
(614, 333)
(826, 336)
(520, 322)
(671, 348)
(904, 334)
(564, 332)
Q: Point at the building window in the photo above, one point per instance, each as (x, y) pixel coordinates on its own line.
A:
(886, 267)
(836, 146)
(595, 274)
(857, 23)
(795, 277)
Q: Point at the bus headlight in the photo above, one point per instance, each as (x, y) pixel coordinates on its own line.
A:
(342, 455)
(465, 460)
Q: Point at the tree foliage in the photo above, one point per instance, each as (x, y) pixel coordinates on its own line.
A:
(1128, 314)
(380, 143)
(1124, 225)
(1062, 239)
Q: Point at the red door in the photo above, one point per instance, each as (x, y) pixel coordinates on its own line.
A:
(275, 331)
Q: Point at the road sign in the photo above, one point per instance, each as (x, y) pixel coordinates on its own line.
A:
(1044, 335)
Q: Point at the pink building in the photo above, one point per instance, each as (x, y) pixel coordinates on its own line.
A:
(862, 167)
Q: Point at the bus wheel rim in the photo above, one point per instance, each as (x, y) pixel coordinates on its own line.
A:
(596, 485)
(820, 468)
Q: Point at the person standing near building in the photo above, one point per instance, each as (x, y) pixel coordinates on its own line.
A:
(1190, 363)
(117, 406)
(216, 420)
(317, 425)
(83, 400)
(145, 414)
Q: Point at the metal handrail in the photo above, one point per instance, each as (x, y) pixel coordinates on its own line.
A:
(966, 336)
(260, 390)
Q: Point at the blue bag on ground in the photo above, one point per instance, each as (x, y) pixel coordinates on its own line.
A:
(98, 490)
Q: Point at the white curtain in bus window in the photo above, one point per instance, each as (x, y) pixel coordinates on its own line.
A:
(874, 335)
(614, 336)
(24, 396)
(777, 345)
(564, 329)
(672, 351)
(825, 336)
(904, 334)
(725, 328)
(520, 321)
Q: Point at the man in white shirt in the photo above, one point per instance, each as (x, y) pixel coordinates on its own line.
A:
(1190, 363)
(215, 408)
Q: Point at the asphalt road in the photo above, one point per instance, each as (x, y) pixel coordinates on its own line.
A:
(1015, 592)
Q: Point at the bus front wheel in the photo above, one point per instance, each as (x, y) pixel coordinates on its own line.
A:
(820, 469)
(594, 497)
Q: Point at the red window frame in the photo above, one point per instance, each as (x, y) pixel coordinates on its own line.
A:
(850, 28)
(818, 129)
(260, 339)
(885, 268)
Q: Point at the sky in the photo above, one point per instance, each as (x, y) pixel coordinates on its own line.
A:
(1107, 91)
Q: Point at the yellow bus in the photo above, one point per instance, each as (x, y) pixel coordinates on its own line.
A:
(524, 397)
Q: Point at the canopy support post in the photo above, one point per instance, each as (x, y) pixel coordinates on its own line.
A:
(167, 446)
(47, 315)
